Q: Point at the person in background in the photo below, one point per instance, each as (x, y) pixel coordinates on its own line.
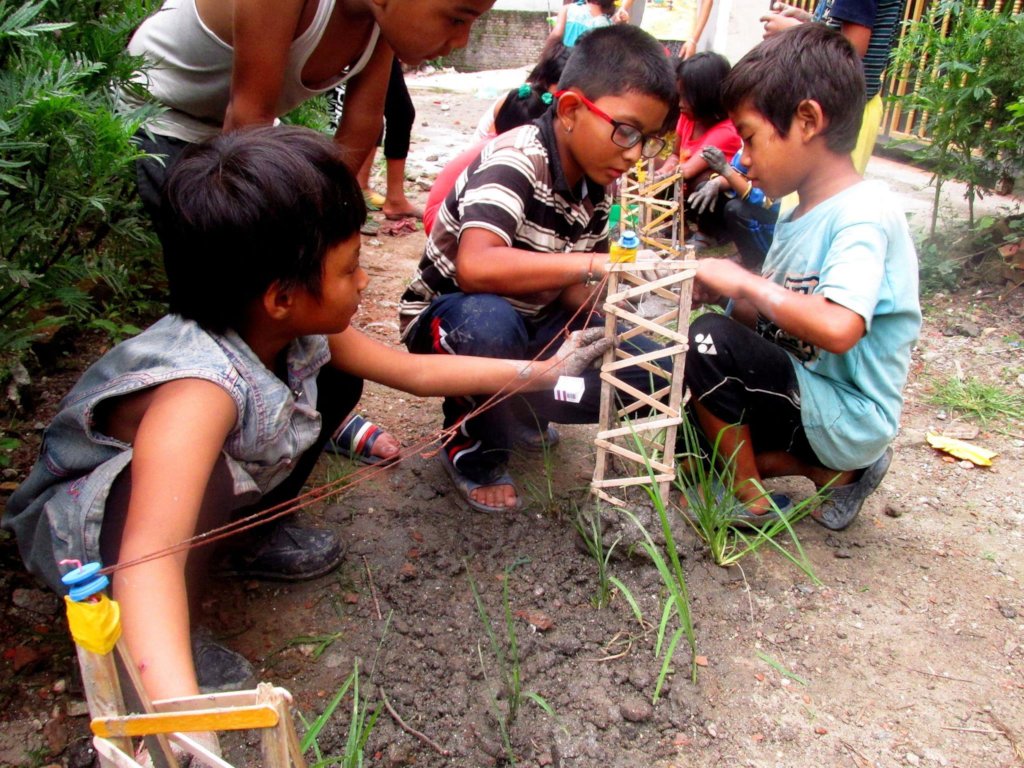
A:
(870, 26)
(575, 19)
(746, 216)
(703, 121)
(676, 24)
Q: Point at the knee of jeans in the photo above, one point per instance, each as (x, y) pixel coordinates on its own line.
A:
(706, 324)
(486, 325)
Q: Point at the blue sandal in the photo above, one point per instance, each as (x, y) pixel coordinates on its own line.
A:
(355, 439)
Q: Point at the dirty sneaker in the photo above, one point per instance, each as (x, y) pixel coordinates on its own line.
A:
(844, 503)
(282, 552)
(219, 669)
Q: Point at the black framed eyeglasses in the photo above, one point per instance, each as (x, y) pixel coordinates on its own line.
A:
(623, 134)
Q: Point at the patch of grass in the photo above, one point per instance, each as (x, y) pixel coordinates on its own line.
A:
(706, 480)
(360, 725)
(976, 400)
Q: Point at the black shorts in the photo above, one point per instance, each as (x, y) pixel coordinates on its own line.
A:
(742, 378)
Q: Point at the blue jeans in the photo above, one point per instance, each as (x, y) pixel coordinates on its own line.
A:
(486, 325)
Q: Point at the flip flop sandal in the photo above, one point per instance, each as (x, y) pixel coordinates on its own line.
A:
(465, 487)
(355, 439)
(844, 503)
(739, 515)
(374, 200)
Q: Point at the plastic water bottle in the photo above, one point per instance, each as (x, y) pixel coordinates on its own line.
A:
(625, 248)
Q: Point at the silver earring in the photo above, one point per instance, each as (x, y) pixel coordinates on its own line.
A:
(568, 129)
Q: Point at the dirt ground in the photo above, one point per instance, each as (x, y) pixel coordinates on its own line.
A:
(911, 653)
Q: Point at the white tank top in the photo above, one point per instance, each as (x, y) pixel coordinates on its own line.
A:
(190, 69)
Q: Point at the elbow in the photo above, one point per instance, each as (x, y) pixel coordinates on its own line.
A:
(840, 340)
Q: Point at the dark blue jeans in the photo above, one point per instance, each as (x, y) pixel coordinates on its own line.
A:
(486, 325)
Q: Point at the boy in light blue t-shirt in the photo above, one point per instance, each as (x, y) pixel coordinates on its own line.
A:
(806, 377)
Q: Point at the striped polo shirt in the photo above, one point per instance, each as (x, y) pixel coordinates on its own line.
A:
(516, 189)
(882, 16)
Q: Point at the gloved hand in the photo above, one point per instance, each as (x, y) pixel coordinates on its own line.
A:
(716, 160)
(580, 350)
(704, 198)
(655, 273)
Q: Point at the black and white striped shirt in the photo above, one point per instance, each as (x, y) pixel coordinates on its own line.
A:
(517, 190)
(882, 17)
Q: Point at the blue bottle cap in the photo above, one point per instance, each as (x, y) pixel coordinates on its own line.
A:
(628, 239)
(84, 581)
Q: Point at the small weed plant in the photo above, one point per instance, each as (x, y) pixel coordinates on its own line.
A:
(506, 655)
(360, 725)
(588, 526)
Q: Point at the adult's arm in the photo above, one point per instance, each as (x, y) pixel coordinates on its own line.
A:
(699, 24)
(362, 116)
(262, 33)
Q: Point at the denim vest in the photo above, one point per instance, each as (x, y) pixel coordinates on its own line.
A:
(57, 513)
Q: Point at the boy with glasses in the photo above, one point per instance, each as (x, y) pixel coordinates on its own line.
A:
(520, 242)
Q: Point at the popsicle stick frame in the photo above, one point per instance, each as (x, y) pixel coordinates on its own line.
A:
(636, 442)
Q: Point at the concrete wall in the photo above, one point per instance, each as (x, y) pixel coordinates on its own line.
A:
(503, 40)
(512, 34)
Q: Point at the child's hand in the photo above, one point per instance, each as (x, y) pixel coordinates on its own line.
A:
(716, 160)
(580, 350)
(704, 198)
(719, 277)
(667, 168)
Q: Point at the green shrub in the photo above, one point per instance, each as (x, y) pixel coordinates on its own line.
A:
(71, 231)
(967, 85)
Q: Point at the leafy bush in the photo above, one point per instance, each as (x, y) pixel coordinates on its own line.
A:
(967, 86)
(71, 230)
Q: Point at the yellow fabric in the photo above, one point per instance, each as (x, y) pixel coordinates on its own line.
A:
(95, 626)
(870, 124)
(869, 127)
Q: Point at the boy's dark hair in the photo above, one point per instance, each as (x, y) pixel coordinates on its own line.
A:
(548, 69)
(250, 208)
(809, 61)
(620, 59)
(522, 105)
(607, 6)
(700, 84)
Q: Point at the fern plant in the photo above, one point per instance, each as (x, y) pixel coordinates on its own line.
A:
(69, 220)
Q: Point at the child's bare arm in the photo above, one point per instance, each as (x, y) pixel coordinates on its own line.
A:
(810, 317)
(486, 265)
(177, 442)
(427, 375)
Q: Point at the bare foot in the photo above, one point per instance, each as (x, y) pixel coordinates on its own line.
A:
(386, 446)
(397, 209)
(502, 495)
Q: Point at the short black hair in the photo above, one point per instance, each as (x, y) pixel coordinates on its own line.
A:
(700, 84)
(248, 209)
(809, 61)
(620, 59)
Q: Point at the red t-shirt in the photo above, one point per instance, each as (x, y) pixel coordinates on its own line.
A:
(722, 135)
(445, 180)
